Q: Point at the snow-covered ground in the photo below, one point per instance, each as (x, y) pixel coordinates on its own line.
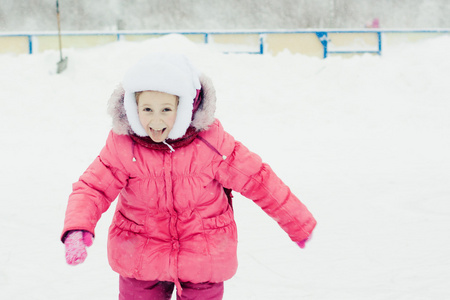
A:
(363, 141)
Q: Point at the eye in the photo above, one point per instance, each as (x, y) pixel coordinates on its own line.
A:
(167, 109)
(146, 109)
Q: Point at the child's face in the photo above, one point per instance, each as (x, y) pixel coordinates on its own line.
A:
(157, 113)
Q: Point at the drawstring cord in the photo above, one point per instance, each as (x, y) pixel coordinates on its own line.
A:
(179, 288)
(133, 145)
(211, 147)
(132, 150)
(170, 147)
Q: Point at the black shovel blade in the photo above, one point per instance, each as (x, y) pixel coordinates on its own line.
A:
(62, 65)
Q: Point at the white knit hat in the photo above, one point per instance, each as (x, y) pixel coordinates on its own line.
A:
(162, 72)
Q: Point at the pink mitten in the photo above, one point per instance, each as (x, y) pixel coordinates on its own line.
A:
(76, 243)
(301, 244)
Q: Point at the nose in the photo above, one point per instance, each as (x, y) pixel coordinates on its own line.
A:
(157, 119)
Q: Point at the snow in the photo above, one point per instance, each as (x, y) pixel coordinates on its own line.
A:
(363, 141)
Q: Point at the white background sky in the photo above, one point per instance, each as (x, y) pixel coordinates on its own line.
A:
(25, 15)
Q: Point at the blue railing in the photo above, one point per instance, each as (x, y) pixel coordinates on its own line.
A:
(323, 38)
(322, 35)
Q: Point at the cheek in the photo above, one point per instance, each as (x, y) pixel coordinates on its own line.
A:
(173, 119)
(143, 120)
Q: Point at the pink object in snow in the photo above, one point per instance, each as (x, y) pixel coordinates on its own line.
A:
(76, 243)
(376, 23)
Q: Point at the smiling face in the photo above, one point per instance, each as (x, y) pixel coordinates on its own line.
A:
(157, 113)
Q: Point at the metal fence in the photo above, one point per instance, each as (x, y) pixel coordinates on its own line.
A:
(323, 36)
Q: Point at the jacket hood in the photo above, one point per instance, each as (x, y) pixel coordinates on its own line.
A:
(201, 120)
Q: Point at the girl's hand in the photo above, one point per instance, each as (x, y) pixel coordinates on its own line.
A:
(76, 243)
(302, 244)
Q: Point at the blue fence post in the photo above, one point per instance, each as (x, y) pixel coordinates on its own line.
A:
(261, 44)
(323, 38)
(379, 42)
(30, 44)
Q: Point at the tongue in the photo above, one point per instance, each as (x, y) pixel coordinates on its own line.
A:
(157, 134)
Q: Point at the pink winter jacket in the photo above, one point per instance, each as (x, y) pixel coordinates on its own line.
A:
(173, 221)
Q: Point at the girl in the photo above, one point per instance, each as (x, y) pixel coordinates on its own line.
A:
(172, 165)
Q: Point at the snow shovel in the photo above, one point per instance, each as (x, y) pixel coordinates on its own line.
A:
(62, 64)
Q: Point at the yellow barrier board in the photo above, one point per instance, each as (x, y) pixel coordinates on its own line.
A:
(304, 43)
(195, 38)
(393, 38)
(353, 40)
(14, 44)
(73, 41)
(235, 39)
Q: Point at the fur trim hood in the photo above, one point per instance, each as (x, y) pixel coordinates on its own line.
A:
(202, 119)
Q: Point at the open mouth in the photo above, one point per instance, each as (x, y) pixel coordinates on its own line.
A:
(158, 130)
(157, 134)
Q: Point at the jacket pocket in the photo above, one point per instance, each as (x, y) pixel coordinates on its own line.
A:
(220, 221)
(124, 223)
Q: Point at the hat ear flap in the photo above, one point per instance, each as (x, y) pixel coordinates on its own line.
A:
(131, 109)
(204, 116)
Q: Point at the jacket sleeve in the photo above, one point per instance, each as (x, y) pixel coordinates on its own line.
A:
(96, 189)
(244, 172)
